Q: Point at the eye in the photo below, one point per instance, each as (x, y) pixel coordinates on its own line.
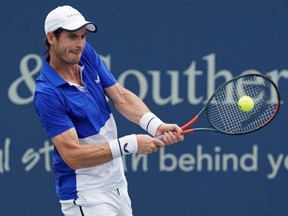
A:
(72, 36)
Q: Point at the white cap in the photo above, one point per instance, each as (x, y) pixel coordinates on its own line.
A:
(68, 18)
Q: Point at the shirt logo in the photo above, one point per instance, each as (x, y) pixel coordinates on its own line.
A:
(97, 79)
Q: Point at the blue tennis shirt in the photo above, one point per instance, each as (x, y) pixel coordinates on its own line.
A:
(62, 106)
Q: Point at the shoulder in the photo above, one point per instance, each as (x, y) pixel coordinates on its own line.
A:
(42, 85)
(89, 50)
(46, 91)
(90, 56)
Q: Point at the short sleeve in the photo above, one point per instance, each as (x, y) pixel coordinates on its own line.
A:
(52, 113)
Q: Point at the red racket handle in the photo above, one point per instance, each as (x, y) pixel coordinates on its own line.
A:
(184, 127)
(190, 123)
(188, 131)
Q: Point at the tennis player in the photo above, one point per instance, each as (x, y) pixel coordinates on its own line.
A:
(70, 99)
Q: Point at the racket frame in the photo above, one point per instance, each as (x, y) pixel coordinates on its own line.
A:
(213, 128)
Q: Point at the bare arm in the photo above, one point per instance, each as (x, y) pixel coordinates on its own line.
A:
(133, 108)
(127, 103)
(78, 156)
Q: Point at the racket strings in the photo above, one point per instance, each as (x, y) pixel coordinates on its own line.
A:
(223, 111)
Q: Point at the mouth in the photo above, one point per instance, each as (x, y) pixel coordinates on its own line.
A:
(76, 52)
(74, 56)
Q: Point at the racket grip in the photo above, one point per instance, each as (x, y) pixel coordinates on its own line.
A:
(184, 132)
(159, 137)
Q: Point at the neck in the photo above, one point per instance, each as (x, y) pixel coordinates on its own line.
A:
(69, 72)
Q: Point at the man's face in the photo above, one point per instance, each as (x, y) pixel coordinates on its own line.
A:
(69, 46)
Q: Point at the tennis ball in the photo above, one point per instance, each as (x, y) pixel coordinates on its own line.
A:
(245, 103)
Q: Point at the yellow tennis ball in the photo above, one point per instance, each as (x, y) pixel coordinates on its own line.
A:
(246, 103)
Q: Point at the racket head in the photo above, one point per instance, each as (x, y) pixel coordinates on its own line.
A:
(223, 112)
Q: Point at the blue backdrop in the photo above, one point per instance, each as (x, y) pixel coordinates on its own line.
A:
(173, 54)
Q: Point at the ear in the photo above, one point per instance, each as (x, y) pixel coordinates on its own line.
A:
(50, 37)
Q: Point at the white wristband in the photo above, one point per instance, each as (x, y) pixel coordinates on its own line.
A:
(150, 123)
(123, 146)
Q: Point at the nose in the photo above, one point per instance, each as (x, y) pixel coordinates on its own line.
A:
(81, 42)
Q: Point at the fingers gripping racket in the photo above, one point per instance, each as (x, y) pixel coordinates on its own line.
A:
(223, 112)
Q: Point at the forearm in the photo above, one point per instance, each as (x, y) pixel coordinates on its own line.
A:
(77, 155)
(127, 103)
(134, 109)
(89, 155)
(131, 107)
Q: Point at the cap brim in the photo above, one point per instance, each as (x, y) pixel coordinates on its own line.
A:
(91, 27)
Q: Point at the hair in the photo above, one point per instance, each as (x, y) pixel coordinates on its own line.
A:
(57, 34)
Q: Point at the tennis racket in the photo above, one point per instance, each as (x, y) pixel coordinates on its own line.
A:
(224, 114)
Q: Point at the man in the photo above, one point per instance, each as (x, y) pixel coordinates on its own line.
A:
(70, 99)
